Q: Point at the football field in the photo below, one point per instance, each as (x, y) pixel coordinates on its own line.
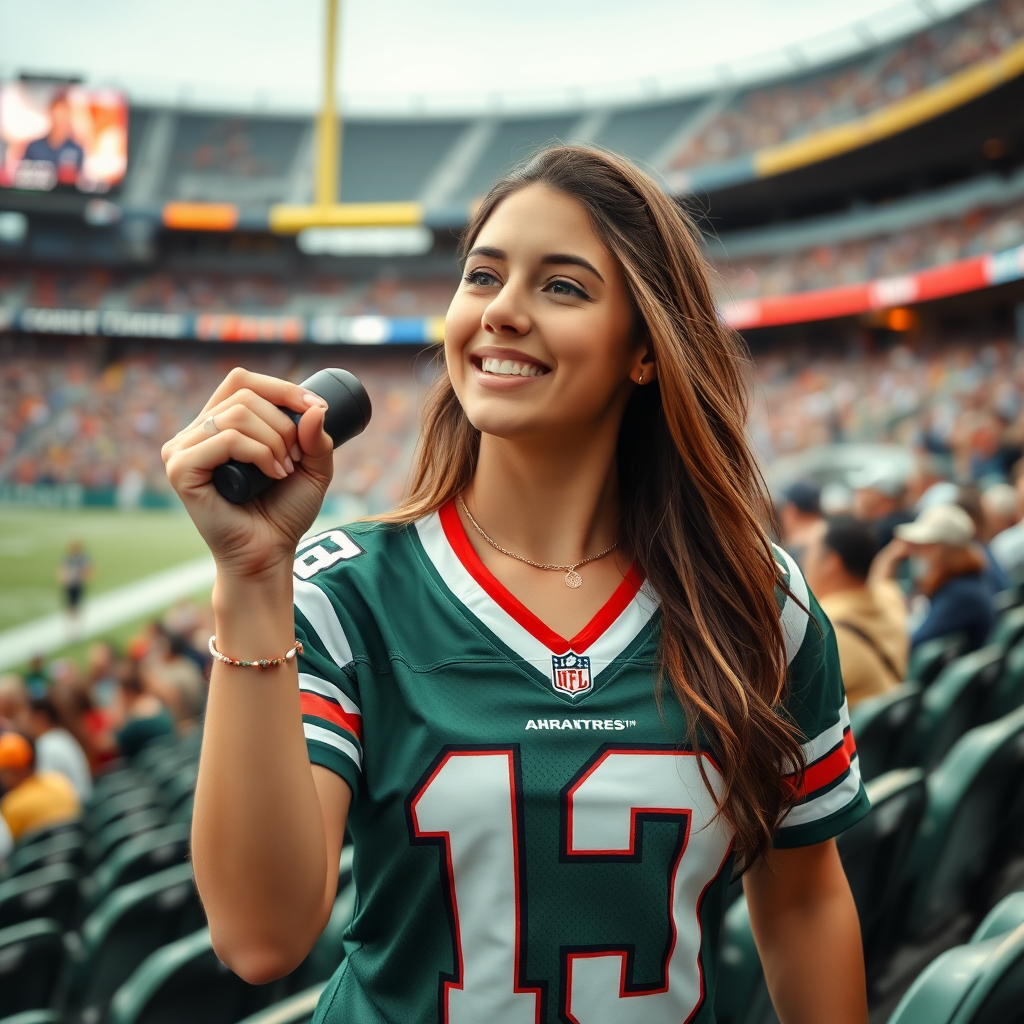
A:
(125, 547)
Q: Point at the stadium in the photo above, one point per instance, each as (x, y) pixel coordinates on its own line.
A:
(862, 213)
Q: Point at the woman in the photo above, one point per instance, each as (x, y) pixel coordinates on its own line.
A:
(949, 569)
(544, 827)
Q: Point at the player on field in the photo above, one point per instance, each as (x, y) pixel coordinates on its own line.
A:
(560, 694)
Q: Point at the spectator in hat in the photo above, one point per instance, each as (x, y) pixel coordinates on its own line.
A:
(869, 616)
(879, 498)
(799, 516)
(32, 799)
(948, 568)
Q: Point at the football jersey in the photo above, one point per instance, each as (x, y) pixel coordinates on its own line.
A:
(534, 842)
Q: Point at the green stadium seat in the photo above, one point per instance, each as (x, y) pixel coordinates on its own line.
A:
(182, 814)
(296, 1009)
(31, 955)
(1008, 693)
(180, 787)
(979, 983)
(103, 844)
(952, 705)
(66, 848)
(1006, 599)
(119, 806)
(930, 658)
(1006, 915)
(41, 835)
(879, 726)
(329, 951)
(156, 751)
(137, 858)
(874, 852)
(121, 932)
(741, 996)
(185, 981)
(49, 892)
(970, 824)
(112, 783)
(1008, 628)
(35, 1017)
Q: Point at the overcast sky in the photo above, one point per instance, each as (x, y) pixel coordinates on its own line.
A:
(434, 54)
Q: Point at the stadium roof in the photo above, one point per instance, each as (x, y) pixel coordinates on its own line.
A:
(443, 56)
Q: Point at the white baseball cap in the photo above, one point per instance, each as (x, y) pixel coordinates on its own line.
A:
(940, 524)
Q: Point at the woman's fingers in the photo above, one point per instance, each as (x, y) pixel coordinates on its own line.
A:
(194, 465)
(243, 419)
(273, 389)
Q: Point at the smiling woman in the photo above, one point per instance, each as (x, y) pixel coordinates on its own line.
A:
(559, 692)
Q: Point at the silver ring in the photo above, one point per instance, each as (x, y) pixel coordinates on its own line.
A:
(210, 425)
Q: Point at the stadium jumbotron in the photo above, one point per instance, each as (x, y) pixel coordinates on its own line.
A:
(855, 183)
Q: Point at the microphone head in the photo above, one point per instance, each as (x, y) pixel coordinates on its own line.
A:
(348, 404)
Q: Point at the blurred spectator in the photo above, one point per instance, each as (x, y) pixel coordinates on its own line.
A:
(13, 701)
(36, 679)
(950, 572)
(799, 516)
(870, 620)
(75, 570)
(999, 507)
(56, 749)
(1008, 546)
(879, 499)
(968, 497)
(32, 799)
(140, 716)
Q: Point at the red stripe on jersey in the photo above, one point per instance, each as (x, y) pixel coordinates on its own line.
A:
(829, 768)
(321, 707)
(612, 609)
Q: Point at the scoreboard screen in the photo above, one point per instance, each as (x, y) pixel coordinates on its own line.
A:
(59, 136)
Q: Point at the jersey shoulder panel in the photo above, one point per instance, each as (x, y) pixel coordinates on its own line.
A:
(831, 796)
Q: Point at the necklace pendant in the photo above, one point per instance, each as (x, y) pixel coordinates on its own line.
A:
(573, 579)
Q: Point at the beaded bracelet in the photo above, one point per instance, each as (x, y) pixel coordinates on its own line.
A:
(262, 663)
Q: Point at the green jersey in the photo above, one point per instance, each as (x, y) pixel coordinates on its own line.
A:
(533, 840)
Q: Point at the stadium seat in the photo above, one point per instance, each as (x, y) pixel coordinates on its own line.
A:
(952, 705)
(41, 835)
(119, 806)
(156, 751)
(326, 956)
(182, 814)
(185, 981)
(49, 892)
(875, 850)
(1007, 599)
(879, 726)
(1008, 628)
(180, 786)
(979, 983)
(35, 1017)
(741, 996)
(296, 1009)
(112, 783)
(31, 954)
(117, 832)
(1006, 915)
(931, 657)
(137, 858)
(131, 923)
(66, 848)
(1008, 693)
(973, 817)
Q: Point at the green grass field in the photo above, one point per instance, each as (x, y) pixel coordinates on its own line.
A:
(124, 546)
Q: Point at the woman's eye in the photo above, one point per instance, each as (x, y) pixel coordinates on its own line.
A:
(481, 277)
(567, 288)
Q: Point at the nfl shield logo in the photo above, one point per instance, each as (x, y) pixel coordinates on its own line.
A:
(570, 673)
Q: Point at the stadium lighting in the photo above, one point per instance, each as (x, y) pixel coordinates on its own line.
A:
(366, 241)
(327, 211)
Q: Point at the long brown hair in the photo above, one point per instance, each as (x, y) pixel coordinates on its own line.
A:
(693, 502)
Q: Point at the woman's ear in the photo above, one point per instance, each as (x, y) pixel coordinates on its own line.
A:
(644, 368)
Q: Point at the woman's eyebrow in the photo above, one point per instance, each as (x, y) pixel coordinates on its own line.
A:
(562, 258)
(488, 250)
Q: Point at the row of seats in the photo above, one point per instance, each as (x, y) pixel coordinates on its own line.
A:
(100, 920)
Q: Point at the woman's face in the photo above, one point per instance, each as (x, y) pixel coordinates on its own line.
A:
(537, 338)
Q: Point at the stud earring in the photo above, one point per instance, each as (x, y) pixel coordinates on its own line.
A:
(640, 379)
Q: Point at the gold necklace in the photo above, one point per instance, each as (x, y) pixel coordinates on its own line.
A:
(572, 578)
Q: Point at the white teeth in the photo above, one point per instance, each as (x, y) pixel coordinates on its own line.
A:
(510, 368)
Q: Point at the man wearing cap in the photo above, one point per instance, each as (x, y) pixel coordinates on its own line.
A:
(879, 498)
(32, 800)
(799, 516)
(948, 568)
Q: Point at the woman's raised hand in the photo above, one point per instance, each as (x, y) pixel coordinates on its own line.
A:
(261, 535)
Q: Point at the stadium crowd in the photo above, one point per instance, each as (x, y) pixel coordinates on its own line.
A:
(760, 117)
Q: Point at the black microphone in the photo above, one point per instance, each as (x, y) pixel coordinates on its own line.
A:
(348, 412)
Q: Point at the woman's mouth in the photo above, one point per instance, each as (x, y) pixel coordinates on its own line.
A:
(511, 368)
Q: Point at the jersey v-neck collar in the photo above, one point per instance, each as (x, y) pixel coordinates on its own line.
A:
(460, 543)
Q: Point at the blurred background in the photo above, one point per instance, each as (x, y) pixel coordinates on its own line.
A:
(189, 187)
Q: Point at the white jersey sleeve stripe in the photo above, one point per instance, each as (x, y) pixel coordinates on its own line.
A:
(314, 684)
(331, 739)
(316, 606)
(828, 740)
(828, 803)
(794, 619)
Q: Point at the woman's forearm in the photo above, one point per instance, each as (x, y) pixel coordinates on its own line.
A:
(259, 842)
